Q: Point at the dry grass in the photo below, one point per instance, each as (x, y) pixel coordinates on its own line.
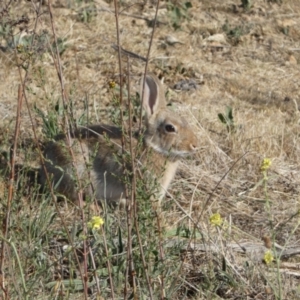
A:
(253, 67)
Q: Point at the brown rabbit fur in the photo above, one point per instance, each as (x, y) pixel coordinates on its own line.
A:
(167, 137)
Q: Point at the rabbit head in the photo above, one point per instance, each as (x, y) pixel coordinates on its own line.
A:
(166, 132)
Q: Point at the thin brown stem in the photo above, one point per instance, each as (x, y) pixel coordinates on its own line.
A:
(11, 183)
(121, 111)
(161, 253)
(145, 265)
(146, 65)
(68, 135)
(12, 162)
(131, 202)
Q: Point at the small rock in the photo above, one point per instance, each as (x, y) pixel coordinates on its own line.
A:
(186, 85)
(219, 38)
(171, 40)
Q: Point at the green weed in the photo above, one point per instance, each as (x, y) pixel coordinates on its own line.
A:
(178, 12)
(227, 119)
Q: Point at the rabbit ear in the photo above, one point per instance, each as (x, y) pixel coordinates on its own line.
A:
(153, 97)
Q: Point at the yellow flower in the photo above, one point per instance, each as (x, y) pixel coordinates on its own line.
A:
(268, 257)
(112, 84)
(265, 164)
(96, 222)
(216, 219)
(20, 47)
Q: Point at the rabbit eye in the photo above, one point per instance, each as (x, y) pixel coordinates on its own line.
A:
(170, 128)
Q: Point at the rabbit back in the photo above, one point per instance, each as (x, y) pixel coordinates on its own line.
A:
(88, 161)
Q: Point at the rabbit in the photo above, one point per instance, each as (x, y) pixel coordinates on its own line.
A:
(166, 138)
